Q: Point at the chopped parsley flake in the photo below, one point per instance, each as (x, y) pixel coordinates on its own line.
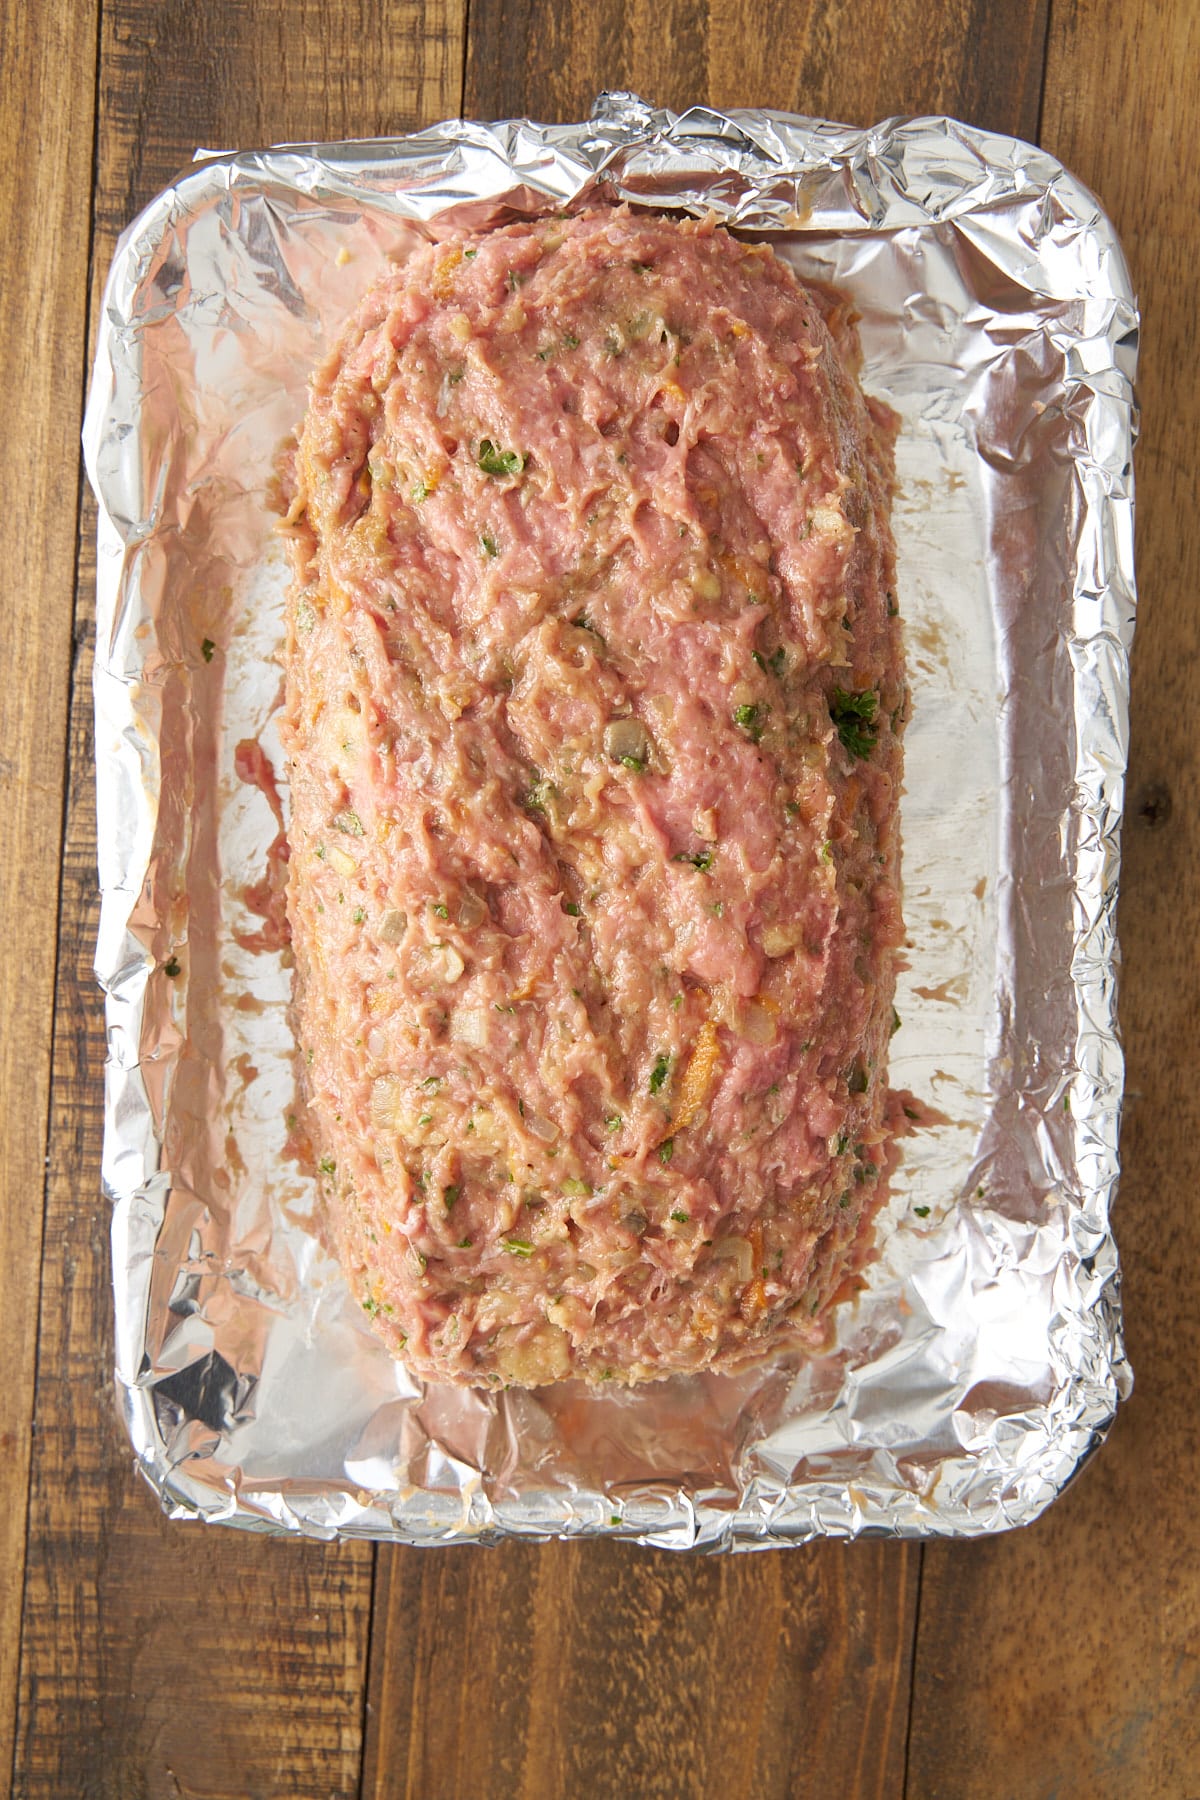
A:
(495, 461)
(666, 1150)
(489, 545)
(699, 859)
(681, 1218)
(751, 719)
(464, 1243)
(632, 762)
(613, 1122)
(440, 908)
(171, 967)
(327, 1166)
(349, 822)
(569, 906)
(854, 715)
(449, 1196)
(517, 1246)
(922, 1212)
(659, 1073)
(576, 1189)
(358, 915)
(895, 1021)
(206, 649)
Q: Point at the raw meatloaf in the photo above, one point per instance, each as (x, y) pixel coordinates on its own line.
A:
(593, 694)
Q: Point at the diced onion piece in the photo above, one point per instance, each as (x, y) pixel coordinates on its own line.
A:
(705, 584)
(392, 926)
(779, 940)
(338, 859)
(469, 1025)
(545, 1129)
(452, 964)
(471, 910)
(756, 1023)
(738, 1250)
(626, 738)
(387, 1106)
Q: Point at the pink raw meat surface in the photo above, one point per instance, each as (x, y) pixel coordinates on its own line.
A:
(594, 692)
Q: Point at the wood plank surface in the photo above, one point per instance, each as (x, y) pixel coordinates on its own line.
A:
(160, 1659)
(47, 59)
(1069, 1656)
(611, 1671)
(858, 63)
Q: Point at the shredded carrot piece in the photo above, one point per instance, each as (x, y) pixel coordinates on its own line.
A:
(443, 274)
(698, 1076)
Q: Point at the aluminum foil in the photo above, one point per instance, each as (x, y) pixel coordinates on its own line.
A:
(984, 1361)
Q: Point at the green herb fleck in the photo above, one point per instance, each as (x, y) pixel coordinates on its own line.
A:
(427, 1119)
(659, 1073)
(327, 1166)
(440, 908)
(358, 915)
(922, 1212)
(632, 762)
(432, 1081)
(912, 1114)
(449, 1196)
(517, 1246)
(681, 1218)
(666, 1150)
(207, 648)
(857, 1081)
(613, 1122)
(539, 794)
(569, 906)
(495, 461)
(349, 822)
(752, 720)
(470, 253)
(699, 859)
(843, 1140)
(853, 715)
(895, 1022)
(464, 1243)
(576, 1189)
(489, 545)
(171, 967)
(371, 1306)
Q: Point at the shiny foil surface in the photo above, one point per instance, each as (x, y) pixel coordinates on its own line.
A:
(983, 1362)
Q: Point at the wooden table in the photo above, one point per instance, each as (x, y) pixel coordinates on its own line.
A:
(140, 1659)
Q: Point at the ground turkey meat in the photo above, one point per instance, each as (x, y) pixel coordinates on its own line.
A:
(594, 689)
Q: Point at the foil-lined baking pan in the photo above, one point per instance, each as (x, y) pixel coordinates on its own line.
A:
(983, 1362)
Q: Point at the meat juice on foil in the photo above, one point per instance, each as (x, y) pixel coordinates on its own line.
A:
(983, 1361)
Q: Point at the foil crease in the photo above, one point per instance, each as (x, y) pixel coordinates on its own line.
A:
(984, 1361)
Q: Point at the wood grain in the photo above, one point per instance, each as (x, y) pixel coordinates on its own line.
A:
(860, 63)
(162, 1659)
(47, 55)
(605, 1670)
(1069, 1657)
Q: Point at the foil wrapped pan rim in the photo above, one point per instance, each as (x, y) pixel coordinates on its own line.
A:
(1010, 204)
